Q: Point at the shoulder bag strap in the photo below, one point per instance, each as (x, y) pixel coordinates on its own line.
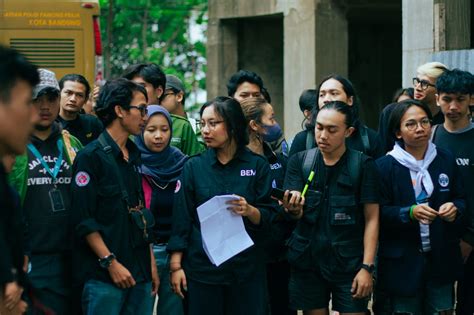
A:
(108, 150)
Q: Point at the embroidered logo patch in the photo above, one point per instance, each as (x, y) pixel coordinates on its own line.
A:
(443, 180)
(178, 186)
(274, 184)
(82, 179)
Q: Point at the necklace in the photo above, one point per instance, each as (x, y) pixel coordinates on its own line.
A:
(158, 185)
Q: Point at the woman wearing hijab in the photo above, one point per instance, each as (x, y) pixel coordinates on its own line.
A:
(419, 257)
(161, 167)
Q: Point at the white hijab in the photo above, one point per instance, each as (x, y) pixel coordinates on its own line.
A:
(423, 178)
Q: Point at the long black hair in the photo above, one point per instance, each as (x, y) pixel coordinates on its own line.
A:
(349, 89)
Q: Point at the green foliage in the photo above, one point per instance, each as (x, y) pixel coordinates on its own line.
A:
(154, 31)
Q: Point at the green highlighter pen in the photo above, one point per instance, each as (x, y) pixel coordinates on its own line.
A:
(310, 179)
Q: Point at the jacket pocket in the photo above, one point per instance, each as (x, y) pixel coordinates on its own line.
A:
(342, 210)
(312, 204)
(299, 252)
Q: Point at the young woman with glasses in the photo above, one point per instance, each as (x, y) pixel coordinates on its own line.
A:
(237, 286)
(419, 258)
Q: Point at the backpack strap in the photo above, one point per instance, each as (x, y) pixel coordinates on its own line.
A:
(67, 144)
(355, 166)
(309, 161)
(309, 140)
(364, 135)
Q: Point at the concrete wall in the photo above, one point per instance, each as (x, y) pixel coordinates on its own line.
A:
(299, 59)
(284, 33)
(260, 49)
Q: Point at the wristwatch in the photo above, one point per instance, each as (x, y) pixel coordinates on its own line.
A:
(369, 267)
(106, 261)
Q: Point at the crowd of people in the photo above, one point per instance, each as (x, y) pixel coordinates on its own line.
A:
(98, 208)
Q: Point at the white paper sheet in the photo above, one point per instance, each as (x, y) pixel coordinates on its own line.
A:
(223, 232)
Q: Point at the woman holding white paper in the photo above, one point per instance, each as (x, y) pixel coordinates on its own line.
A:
(237, 286)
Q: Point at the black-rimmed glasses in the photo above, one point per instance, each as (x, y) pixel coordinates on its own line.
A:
(142, 108)
(423, 83)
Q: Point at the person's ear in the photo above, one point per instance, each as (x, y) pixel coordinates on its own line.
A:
(180, 96)
(349, 132)
(253, 125)
(398, 134)
(350, 101)
(437, 99)
(118, 111)
(159, 91)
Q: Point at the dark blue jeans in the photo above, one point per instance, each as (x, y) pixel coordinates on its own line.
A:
(105, 298)
(168, 301)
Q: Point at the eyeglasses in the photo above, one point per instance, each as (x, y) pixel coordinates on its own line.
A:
(425, 123)
(212, 124)
(423, 83)
(142, 108)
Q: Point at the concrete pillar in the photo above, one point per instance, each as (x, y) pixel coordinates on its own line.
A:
(222, 55)
(299, 61)
(418, 39)
(332, 40)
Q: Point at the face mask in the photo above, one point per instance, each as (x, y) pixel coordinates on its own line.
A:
(272, 133)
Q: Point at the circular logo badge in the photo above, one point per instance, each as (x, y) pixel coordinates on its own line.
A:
(82, 179)
(178, 186)
(443, 180)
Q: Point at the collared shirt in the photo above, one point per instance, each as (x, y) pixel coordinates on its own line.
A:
(85, 127)
(203, 177)
(99, 207)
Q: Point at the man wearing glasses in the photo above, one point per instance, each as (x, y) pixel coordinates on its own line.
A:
(115, 263)
(425, 87)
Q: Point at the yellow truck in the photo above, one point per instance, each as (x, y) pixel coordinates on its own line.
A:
(60, 35)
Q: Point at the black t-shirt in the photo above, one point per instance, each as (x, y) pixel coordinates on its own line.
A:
(162, 208)
(50, 230)
(461, 145)
(85, 127)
